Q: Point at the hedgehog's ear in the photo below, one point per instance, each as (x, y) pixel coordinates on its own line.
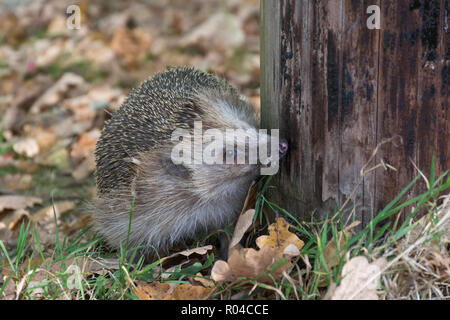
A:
(177, 170)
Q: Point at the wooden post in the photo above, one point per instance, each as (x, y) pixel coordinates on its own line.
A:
(336, 89)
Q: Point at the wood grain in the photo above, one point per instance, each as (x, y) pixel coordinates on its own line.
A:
(336, 89)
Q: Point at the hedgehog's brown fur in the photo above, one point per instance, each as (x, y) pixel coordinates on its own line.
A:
(172, 202)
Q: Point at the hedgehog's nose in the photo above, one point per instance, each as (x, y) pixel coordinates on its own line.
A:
(283, 147)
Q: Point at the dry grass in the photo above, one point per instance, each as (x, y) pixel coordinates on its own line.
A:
(421, 267)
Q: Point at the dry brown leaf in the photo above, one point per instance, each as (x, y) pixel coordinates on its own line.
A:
(81, 107)
(47, 213)
(6, 159)
(85, 168)
(360, 280)
(291, 250)
(27, 147)
(16, 182)
(201, 251)
(186, 256)
(222, 31)
(49, 51)
(27, 166)
(104, 94)
(6, 268)
(95, 51)
(9, 292)
(333, 252)
(85, 145)
(221, 272)
(34, 271)
(279, 237)
(58, 26)
(45, 137)
(250, 199)
(79, 224)
(16, 202)
(132, 45)
(12, 118)
(56, 92)
(244, 222)
(11, 30)
(14, 219)
(249, 263)
(102, 265)
(205, 282)
(152, 291)
(187, 291)
(70, 126)
(57, 158)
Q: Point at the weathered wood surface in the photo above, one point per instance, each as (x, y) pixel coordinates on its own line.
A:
(337, 89)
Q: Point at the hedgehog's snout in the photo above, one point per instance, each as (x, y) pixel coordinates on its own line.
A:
(283, 147)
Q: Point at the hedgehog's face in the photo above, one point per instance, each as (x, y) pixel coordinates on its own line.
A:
(228, 161)
(224, 152)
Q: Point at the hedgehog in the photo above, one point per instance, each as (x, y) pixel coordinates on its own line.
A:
(147, 198)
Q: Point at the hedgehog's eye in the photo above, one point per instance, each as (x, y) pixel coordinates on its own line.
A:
(230, 154)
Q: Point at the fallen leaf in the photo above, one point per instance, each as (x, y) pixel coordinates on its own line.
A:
(6, 159)
(45, 137)
(279, 237)
(360, 280)
(85, 168)
(187, 291)
(152, 291)
(249, 263)
(48, 52)
(81, 107)
(57, 158)
(102, 265)
(205, 282)
(47, 213)
(179, 258)
(173, 291)
(222, 31)
(26, 147)
(11, 30)
(201, 251)
(28, 166)
(16, 202)
(55, 93)
(104, 94)
(131, 45)
(79, 224)
(9, 292)
(221, 272)
(244, 222)
(291, 250)
(16, 182)
(332, 253)
(15, 219)
(85, 145)
(58, 26)
(250, 199)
